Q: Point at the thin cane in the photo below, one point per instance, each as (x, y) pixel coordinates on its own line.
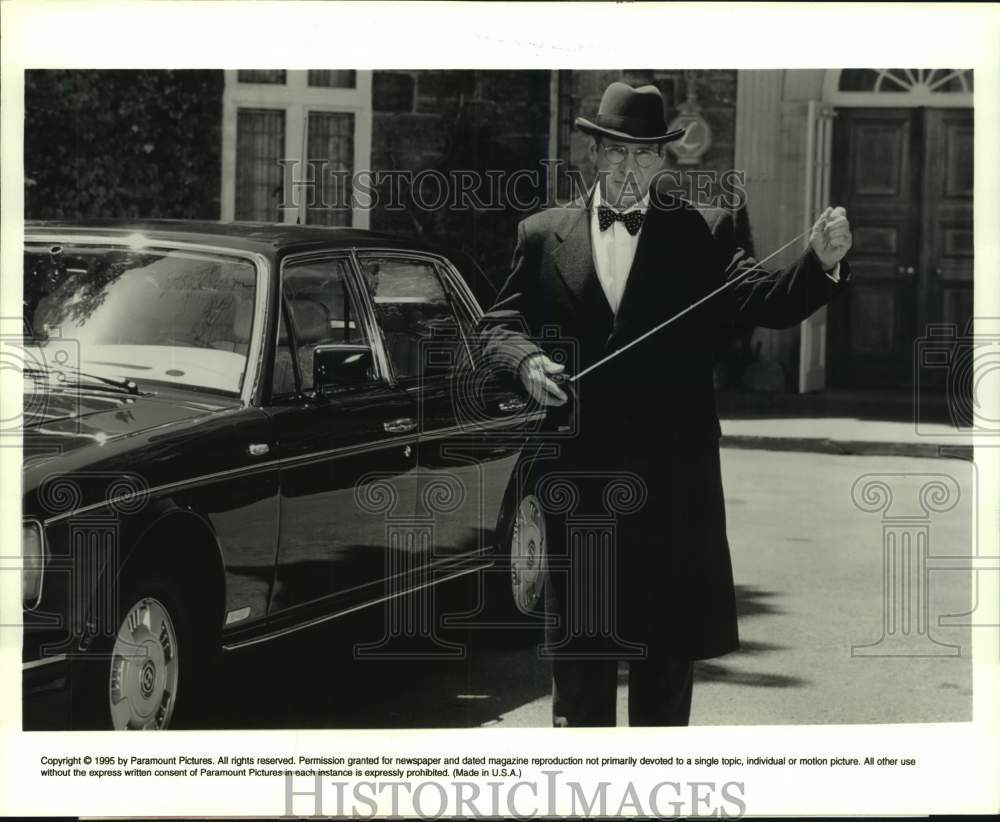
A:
(681, 313)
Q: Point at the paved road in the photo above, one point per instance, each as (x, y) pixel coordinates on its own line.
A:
(809, 568)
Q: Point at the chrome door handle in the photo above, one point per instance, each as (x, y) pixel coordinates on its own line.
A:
(258, 449)
(401, 426)
(512, 406)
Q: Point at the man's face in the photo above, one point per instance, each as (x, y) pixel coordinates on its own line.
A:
(625, 169)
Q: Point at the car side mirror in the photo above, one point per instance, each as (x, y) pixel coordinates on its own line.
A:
(341, 366)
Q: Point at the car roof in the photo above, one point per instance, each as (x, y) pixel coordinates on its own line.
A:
(267, 238)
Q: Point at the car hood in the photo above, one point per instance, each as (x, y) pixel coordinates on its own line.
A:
(67, 420)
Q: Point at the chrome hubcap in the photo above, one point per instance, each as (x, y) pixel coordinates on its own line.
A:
(143, 682)
(527, 555)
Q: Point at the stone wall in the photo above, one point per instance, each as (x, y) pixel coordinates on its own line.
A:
(461, 121)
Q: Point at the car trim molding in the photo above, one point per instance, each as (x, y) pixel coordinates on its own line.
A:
(46, 660)
(346, 451)
(476, 427)
(285, 462)
(335, 614)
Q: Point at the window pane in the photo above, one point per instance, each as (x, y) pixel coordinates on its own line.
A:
(422, 334)
(260, 143)
(261, 76)
(322, 310)
(330, 141)
(332, 78)
(858, 79)
(949, 81)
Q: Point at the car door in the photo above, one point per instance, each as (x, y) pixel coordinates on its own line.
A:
(471, 428)
(347, 455)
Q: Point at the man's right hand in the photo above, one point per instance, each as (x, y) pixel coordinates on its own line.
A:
(535, 376)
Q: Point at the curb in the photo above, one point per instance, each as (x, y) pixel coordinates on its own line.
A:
(822, 445)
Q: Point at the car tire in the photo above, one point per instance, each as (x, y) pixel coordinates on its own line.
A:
(154, 672)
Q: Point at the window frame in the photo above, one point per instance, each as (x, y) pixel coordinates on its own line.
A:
(451, 283)
(357, 292)
(297, 99)
(916, 97)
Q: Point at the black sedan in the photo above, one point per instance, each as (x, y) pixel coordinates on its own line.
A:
(235, 431)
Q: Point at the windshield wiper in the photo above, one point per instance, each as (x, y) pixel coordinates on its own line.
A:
(124, 384)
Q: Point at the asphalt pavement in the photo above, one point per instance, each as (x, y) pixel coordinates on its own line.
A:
(809, 562)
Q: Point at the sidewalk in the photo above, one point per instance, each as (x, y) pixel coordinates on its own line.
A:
(847, 435)
(841, 422)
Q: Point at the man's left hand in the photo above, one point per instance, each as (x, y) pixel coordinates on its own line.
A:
(831, 239)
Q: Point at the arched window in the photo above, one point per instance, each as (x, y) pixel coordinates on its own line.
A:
(904, 87)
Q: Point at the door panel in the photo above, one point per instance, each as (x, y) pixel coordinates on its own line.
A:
(872, 329)
(346, 485)
(906, 178)
(946, 268)
(468, 448)
(347, 454)
(468, 426)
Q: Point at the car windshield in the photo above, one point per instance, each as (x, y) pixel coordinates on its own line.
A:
(149, 315)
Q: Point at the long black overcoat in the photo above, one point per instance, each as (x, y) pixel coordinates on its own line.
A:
(637, 545)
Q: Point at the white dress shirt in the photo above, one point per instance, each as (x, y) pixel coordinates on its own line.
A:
(614, 249)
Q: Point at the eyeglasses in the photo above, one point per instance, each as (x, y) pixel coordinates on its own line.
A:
(644, 157)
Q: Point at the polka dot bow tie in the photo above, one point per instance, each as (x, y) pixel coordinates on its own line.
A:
(632, 219)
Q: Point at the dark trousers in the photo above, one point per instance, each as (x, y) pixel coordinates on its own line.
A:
(584, 691)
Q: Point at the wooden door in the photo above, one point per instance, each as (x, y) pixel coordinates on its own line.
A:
(946, 254)
(876, 176)
(905, 177)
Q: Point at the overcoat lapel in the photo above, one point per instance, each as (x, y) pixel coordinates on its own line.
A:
(661, 282)
(573, 259)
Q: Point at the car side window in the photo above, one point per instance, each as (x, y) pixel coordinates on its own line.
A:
(322, 311)
(423, 333)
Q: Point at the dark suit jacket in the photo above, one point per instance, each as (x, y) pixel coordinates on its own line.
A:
(652, 409)
(682, 255)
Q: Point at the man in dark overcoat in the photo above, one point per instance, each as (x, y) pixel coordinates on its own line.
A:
(647, 577)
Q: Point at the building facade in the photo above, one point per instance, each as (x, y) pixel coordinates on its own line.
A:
(894, 146)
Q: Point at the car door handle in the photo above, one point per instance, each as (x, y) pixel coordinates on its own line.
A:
(401, 426)
(258, 449)
(512, 406)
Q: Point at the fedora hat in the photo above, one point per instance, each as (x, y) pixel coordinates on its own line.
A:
(632, 114)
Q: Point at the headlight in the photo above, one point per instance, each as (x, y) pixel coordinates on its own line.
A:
(32, 563)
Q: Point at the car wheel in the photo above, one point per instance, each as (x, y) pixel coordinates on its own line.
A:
(144, 678)
(515, 585)
(527, 555)
(148, 675)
